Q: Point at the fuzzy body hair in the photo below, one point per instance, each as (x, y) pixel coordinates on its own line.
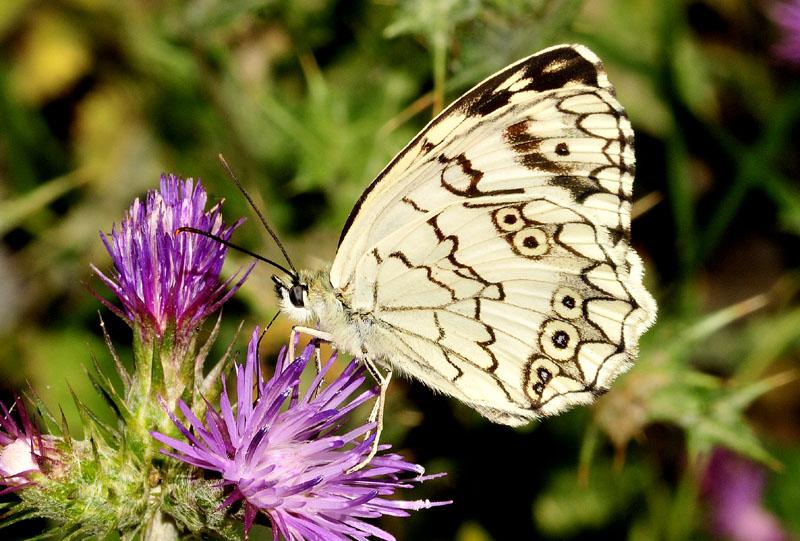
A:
(352, 333)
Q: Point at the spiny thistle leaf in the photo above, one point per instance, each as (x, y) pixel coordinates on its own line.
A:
(94, 424)
(17, 514)
(107, 393)
(65, 429)
(124, 376)
(42, 409)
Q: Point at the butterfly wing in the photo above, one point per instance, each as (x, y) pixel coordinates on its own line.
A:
(548, 122)
(492, 254)
(519, 307)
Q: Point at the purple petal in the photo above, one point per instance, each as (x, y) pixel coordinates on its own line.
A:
(286, 454)
(162, 279)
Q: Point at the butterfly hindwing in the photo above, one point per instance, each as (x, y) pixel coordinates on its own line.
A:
(520, 308)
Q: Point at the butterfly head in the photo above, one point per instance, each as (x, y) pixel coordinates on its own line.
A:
(307, 295)
(294, 299)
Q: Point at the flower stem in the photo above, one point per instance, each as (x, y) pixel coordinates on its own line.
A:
(160, 528)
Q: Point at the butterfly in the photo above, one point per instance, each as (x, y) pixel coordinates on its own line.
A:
(491, 258)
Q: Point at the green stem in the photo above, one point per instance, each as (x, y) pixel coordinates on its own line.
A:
(439, 59)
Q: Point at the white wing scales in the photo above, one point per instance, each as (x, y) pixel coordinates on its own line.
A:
(476, 311)
(572, 142)
(491, 258)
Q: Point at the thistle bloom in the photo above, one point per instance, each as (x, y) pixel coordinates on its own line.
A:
(286, 456)
(22, 448)
(164, 279)
(734, 488)
(786, 16)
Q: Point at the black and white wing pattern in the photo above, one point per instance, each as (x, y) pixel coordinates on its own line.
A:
(492, 256)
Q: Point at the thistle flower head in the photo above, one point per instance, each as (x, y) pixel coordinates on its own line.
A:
(22, 447)
(161, 278)
(786, 15)
(734, 489)
(286, 454)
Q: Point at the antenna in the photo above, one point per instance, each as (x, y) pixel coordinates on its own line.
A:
(258, 350)
(261, 336)
(260, 217)
(235, 247)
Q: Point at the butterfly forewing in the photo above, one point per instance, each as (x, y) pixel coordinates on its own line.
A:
(491, 258)
(549, 122)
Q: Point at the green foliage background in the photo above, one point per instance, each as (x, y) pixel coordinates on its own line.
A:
(308, 99)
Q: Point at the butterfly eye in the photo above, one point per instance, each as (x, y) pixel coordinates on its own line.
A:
(296, 293)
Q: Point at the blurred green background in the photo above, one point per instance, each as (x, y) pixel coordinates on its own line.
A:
(308, 100)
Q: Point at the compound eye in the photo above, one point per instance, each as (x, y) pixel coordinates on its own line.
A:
(296, 295)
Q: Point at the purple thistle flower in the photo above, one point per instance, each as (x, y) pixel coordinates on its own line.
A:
(22, 448)
(286, 456)
(734, 489)
(163, 279)
(786, 16)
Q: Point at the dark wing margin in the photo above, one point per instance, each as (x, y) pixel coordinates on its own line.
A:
(550, 69)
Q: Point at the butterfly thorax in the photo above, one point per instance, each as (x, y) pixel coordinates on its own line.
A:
(323, 304)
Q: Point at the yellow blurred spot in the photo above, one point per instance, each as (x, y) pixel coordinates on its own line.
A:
(105, 119)
(11, 11)
(54, 54)
(472, 531)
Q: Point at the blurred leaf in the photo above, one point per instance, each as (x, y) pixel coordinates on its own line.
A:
(664, 387)
(751, 161)
(712, 413)
(207, 16)
(749, 87)
(644, 106)
(30, 150)
(770, 337)
(566, 507)
(605, 25)
(783, 490)
(338, 162)
(786, 195)
(14, 212)
(435, 22)
(107, 122)
(432, 20)
(693, 77)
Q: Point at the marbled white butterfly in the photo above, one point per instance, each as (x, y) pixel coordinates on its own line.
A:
(491, 258)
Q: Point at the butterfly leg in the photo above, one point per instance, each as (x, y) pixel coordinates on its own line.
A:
(315, 333)
(376, 416)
